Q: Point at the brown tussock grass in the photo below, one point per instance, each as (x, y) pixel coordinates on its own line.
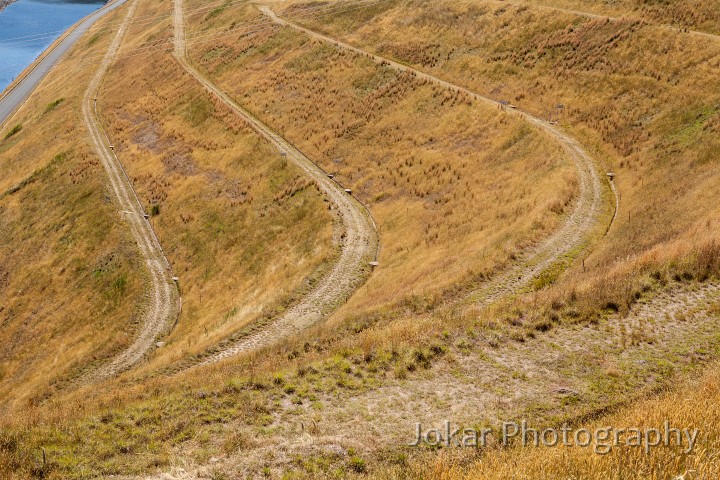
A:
(431, 222)
(691, 404)
(654, 122)
(243, 230)
(440, 174)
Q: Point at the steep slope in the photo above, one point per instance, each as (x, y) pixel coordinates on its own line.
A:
(71, 277)
(439, 170)
(655, 124)
(359, 245)
(463, 192)
(163, 303)
(247, 233)
(580, 222)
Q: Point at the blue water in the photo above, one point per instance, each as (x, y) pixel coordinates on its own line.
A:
(27, 27)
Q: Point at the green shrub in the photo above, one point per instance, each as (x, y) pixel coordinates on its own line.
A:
(13, 131)
(53, 105)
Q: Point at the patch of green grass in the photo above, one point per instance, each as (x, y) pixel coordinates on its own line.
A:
(215, 12)
(312, 60)
(16, 129)
(94, 39)
(213, 53)
(549, 276)
(357, 464)
(199, 110)
(35, 175)
(522, 132)
(692, 123)
(53, 105)
(373, 79)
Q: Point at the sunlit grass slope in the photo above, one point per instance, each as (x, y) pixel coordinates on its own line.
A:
(690, 14)
(457, 188)
(245, 233)
(693, 405)
(71, 279)
(643, 97)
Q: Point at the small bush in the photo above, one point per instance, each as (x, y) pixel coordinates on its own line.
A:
(53, 105)
(357, 464)
(13, 131)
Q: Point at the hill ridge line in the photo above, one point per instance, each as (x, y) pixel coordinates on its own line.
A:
(581, 13)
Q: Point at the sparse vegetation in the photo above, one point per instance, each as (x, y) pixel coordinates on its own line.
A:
(439, 179)
(620, 330)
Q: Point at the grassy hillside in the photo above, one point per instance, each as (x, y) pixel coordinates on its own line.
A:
(655, 123)
(460, 191)
(441, 173)
(245, 233)
(690, 14)
(71, 279)
(680, 406)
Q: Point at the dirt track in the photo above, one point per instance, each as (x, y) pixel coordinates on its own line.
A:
(348, 274)
(364, 420)
(576, 228)
(360, 239)
(162, 305)
(482, 384)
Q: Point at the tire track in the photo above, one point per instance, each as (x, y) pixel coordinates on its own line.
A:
(576, 228)
(163, 302)
(385, 415)
(360, 238)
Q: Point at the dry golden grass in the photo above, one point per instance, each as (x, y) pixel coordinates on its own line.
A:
(457, 188)
(692, 14)
(70, 275)
(448, 183)
(245, 233)
(692, 404)
(655, 123)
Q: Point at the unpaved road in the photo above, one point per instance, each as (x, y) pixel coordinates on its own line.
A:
(487, 385)
(360, 238)
(163, 302)
(576, 228)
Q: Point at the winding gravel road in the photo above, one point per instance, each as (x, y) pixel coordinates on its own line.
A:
(163, 302)
(360, 238)
(578, 225)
